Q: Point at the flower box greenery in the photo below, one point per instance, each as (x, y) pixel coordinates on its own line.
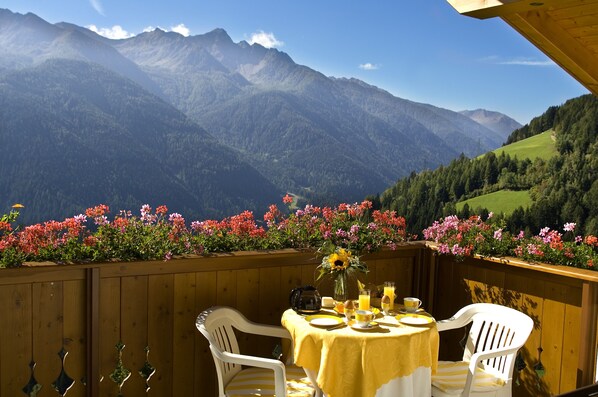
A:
(157, 234)
(467, 237)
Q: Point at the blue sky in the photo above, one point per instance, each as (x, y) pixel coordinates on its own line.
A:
(421, 50)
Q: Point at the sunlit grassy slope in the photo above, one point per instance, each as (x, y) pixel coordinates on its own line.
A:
(505, 201)
(541, 145)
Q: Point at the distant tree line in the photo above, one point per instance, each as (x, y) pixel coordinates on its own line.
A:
(563, 189)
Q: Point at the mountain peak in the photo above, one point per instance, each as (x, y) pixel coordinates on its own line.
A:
(495, 121)
(218, 35)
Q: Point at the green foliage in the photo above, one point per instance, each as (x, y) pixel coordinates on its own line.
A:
(537, 126)
(562, 188)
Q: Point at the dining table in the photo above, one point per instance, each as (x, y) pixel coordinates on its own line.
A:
(393, 358)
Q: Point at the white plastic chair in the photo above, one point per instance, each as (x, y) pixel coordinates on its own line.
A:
(266, 377)
(486, 370)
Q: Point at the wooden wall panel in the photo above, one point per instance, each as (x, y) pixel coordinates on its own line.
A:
(110, 333)
(74, 334)
(290, 278)
(528, 298)
(248, 294)
(48, 318)
(184, 333)
(15, 338)
(227, 288)
(570, 348)
(160, 332)
(270, 308)
(134, 328)
(205, 373)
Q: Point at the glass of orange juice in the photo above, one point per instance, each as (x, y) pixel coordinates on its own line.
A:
(389, 290)
(364, 299)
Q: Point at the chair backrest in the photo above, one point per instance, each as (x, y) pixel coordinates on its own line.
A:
(216, 324)
(493, 327)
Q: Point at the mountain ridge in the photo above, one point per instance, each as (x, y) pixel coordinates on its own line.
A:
(323, 138)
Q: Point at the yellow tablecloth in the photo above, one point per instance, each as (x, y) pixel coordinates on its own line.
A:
(352, 363)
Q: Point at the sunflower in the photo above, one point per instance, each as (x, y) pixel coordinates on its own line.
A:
(339, 260)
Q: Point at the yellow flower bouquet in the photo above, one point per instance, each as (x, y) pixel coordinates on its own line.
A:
(339, 263)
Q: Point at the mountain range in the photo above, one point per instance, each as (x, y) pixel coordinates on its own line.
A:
(202, 123)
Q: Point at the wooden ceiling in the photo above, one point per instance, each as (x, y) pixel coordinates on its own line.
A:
(565, 30)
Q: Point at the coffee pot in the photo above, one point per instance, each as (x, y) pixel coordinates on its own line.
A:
(305, 300)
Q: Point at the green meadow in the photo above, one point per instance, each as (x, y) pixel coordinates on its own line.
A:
(541, 145)
(505, 201)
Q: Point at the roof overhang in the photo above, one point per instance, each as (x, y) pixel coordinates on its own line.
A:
(565, 30)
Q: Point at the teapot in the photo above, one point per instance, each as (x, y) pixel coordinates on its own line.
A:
(305, 300)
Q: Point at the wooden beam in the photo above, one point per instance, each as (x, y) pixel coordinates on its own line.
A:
(483, 9)
(559, 45)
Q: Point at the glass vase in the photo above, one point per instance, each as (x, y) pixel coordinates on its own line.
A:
(340, 287)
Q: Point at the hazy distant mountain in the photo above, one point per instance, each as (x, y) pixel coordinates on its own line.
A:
(494, 121)
(74, 135)
(288, 127)
(27, 40)
(318, 136)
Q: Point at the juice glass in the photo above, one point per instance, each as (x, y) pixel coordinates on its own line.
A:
(364, 299)
(389, 290)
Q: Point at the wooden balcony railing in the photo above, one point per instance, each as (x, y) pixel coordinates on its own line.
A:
(86, 311)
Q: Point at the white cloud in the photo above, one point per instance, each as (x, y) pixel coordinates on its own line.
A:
(267, 40)
(116, 32)
(97, 5)
(528, 62)
(516, 61)
(181, 29)
(368, 66)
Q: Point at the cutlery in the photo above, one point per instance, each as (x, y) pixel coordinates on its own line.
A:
(336, 327)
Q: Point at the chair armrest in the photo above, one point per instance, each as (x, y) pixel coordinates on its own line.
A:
(268, 363)
(263, 329)
(452, 323)
(477, 358)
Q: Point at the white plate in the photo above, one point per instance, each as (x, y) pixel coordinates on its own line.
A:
(325, 321)
(416, 320)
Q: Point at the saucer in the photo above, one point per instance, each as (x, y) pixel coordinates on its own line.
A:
(403, 311)
(369, 327)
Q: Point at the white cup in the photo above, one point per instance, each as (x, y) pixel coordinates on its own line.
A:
(411, 304)
(363, 317)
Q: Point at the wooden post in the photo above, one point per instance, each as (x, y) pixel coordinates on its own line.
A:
(586, 371)
(93, 335)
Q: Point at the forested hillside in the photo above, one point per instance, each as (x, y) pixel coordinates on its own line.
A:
(562, 189)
